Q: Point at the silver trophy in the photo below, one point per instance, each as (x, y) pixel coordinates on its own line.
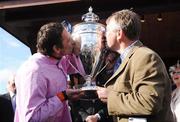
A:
(87, 32)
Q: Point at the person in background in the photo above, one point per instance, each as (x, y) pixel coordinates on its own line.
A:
(140, 88)
(175, 101)
(41, 81)
(8, 101)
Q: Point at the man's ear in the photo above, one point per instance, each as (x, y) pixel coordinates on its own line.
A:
(56, 49)
(119, 34)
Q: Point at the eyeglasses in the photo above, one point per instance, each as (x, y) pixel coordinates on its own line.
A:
(176, 72)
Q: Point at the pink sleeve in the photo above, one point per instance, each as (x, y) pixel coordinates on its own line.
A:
(40, 108)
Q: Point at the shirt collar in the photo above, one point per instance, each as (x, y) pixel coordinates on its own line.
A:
(46, 59)
(11, 94)
(126, 51)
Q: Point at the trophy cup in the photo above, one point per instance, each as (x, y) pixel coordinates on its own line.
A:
(87, 32)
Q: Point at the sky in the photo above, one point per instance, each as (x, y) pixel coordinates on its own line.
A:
(12, 54)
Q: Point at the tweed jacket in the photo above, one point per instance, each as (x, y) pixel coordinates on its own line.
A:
(140, 87)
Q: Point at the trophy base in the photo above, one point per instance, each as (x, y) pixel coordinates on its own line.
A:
(88, 88)
(89, 92)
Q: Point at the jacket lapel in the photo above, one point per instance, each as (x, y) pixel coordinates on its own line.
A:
(123, 64)
(7, 96)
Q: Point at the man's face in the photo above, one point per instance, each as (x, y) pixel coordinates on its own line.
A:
(11, 84)
(176, 76)
(67, 43)
(67, 46)
(111, 34)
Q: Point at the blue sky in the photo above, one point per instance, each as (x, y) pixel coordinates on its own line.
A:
(12, 54)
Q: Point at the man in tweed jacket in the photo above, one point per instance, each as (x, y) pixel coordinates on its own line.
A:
(140, 89)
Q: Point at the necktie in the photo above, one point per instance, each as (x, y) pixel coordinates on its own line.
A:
(13, 100)
(117, 64)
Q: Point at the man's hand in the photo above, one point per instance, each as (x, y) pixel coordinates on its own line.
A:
(102, 94)
(92, 118)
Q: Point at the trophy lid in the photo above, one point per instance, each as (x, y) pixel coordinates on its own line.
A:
(90, 16)
(89, 25)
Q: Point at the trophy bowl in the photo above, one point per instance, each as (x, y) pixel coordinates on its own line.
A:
(88, 34)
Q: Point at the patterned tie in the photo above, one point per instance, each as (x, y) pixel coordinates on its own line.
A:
(117, 64)
(13, 100)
